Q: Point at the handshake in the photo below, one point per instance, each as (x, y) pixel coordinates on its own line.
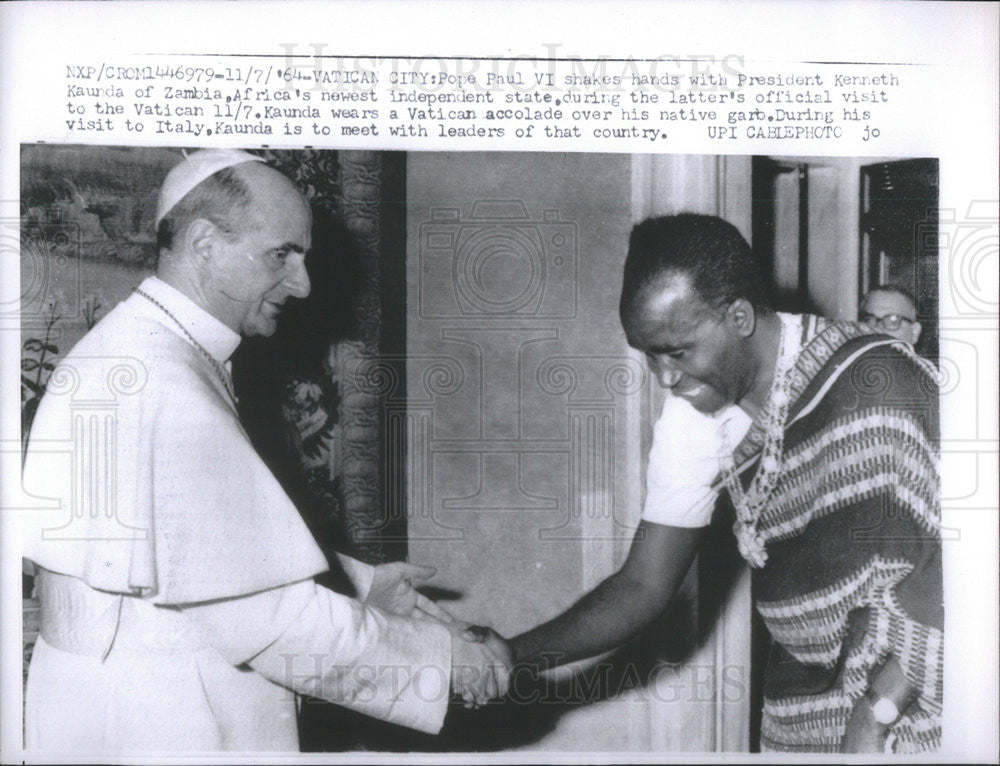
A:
(481, 660)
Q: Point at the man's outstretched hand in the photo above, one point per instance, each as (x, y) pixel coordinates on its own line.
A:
(392, 590)
(481, 658)
(480, 665)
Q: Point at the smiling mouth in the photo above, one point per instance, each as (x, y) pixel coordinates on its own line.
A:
(692, 392)
(273, 308)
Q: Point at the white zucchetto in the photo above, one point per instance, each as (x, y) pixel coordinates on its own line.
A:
(194, 169)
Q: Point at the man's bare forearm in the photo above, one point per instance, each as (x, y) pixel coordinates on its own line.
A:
(620, 606)
(603, 619)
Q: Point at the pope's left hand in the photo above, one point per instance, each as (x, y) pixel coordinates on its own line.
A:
(392, 591)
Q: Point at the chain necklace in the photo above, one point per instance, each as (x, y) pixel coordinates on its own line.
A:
(750, 503)
(220, 371)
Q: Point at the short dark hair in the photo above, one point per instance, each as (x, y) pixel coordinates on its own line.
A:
(890, 288)
(711, 252)
(222, 198)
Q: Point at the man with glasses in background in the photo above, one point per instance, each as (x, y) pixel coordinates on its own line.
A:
(891, 310)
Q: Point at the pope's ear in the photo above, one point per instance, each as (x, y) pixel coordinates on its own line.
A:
(741, 317)
(200, 237)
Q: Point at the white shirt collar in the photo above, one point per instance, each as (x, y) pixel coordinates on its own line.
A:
(217, 338)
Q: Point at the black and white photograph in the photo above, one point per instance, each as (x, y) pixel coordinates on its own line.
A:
(498, 404)
(281, 363)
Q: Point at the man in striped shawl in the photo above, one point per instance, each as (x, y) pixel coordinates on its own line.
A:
(831, 461)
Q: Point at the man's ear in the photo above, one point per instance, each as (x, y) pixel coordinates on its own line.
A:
(917, 327)
(741, 317)
(200, 238)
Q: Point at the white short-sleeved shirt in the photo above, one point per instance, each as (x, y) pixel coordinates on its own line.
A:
(686, 456)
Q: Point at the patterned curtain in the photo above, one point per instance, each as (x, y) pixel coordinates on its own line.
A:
(310, 396)
(303, 393)
(313, 397)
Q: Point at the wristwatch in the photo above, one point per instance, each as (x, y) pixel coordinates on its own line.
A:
(884, 710)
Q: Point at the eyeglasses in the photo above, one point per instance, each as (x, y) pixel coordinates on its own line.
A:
(889, 322)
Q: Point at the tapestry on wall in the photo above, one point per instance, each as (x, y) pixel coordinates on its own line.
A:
(87, 240)
(304, 393)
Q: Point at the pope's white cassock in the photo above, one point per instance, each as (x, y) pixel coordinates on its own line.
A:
(178, 608)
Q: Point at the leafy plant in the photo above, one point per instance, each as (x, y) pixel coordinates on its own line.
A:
(36, 367)
(38, 357)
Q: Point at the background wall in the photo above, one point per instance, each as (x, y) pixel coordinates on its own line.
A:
(504, 426)
(505, 391)
(523, 474)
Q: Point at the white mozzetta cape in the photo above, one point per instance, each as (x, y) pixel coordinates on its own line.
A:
(176, 590)
(157, 490)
